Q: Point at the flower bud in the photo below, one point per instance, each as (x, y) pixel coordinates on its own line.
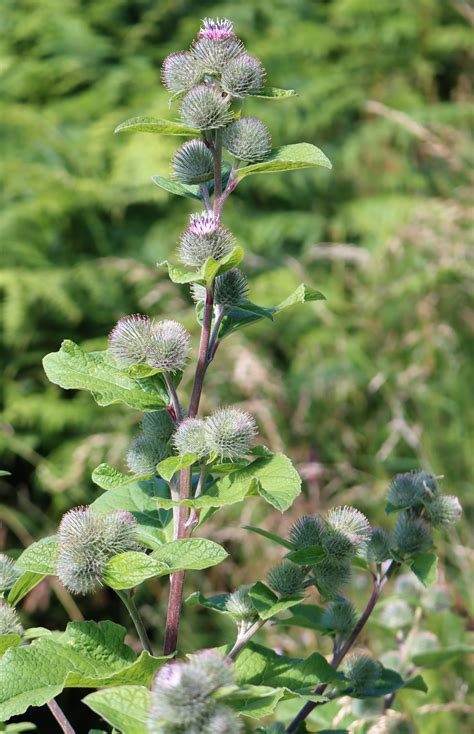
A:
(338, 545)
(444, 510)
(217, 29)
(222, 721)
(8, 573)
(213, 54)
(169, 348)
(339, 617)
(190, 438)
(411, 535)
(87, 541)
(9, 620)
(145, 453)
(229, 432)
(204, 108)
(203, 238)
(362, 671)
(240, 606)
(331, 577)
(181, 71)
(378, 547)
(410, 489)
(182, 692)
(286, 579)
(351, 523)
(248, 139)
(307, 531)
(243, 76)
(130, 338)
(193, 163)
(393, 723)
(158, 424)
(230, 289)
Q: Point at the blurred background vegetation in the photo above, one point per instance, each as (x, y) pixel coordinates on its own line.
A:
(375, 380)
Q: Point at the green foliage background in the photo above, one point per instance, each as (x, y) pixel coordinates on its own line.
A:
(376, 380)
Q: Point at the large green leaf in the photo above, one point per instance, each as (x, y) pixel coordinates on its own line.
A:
(27, 581)
(307, 556)
(260, 666)
(177, 188)
(248, 313)
(97, 372)
(389, 682)
(267, 603)
(139, 498)
(130, 569)
(288, 158)
(106, 477)
(155, 125)
(308, 616)
(86, 655)
(207, 272)
(168, 467)
(125, 708)
(190, 554)
(8, 641)
(40, 557)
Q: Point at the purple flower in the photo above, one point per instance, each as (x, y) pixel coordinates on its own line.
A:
(218, 29)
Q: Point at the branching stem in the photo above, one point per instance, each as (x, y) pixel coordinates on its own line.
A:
(129, 603)
(242, 640)
(60, 716)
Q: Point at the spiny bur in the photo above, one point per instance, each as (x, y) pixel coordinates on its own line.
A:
(181, 71)
(306, 531)
(331, 577)
(130, 338)
(229, 432)
(168, 350)
(240, 606)
(144, 453)
(9, 620)
(203, 238)
(411, 534)
(339, 617)
(247, 139)
(190, 438)
(243, 76)
(287, 579)
(230, 289)
(378, 547)
(8, 574)
(193, 163)
(362, 671)
(204, 108)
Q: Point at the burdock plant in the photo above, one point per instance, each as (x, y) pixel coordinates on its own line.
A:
(184, 466)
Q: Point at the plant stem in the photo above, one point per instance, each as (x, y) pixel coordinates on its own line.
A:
(136, 619)
(173, 397)
(217, 154)
(60, 717)
(202, 357)
(379, 583)
(214, 342)
(205, 197)
(242, 641)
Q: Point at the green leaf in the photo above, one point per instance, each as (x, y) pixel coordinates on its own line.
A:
(307, 556)
(174, 187)
(206, 274)
(217, 603)
(433, 658)
(168, 467)
(256, 702)
(129, 569)
(139, 498)
(7, 641)
(389, 682)
(290, 157)
(270, 536)
(5, 473)
(106, 477)
(73, 369)
(27, 581)
(155, 125)
(267, 603)
(424, 566)
(190, 554)
(248, 312)
(307, 616)
(40, 557)
(125, 708)
(260, 666)
(275, 93)
(86, 655)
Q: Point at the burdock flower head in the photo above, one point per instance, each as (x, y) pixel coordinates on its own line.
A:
(86, 541)
(8, 574)
(130, 338)
(203, 238)
(307, 531)
(181, 71)
(205, 108)
(183, 693)
(248, 139)
(286, 579)
(9, 620)
(217, 29)
(216, 45)
(169, 348)
(346, 528)
(144, 453)
(193, 163)
(230, 289)
(411, 534)
(229, 432)
(243, 76)
(190, 438)
(240, 606)
(362, 671)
